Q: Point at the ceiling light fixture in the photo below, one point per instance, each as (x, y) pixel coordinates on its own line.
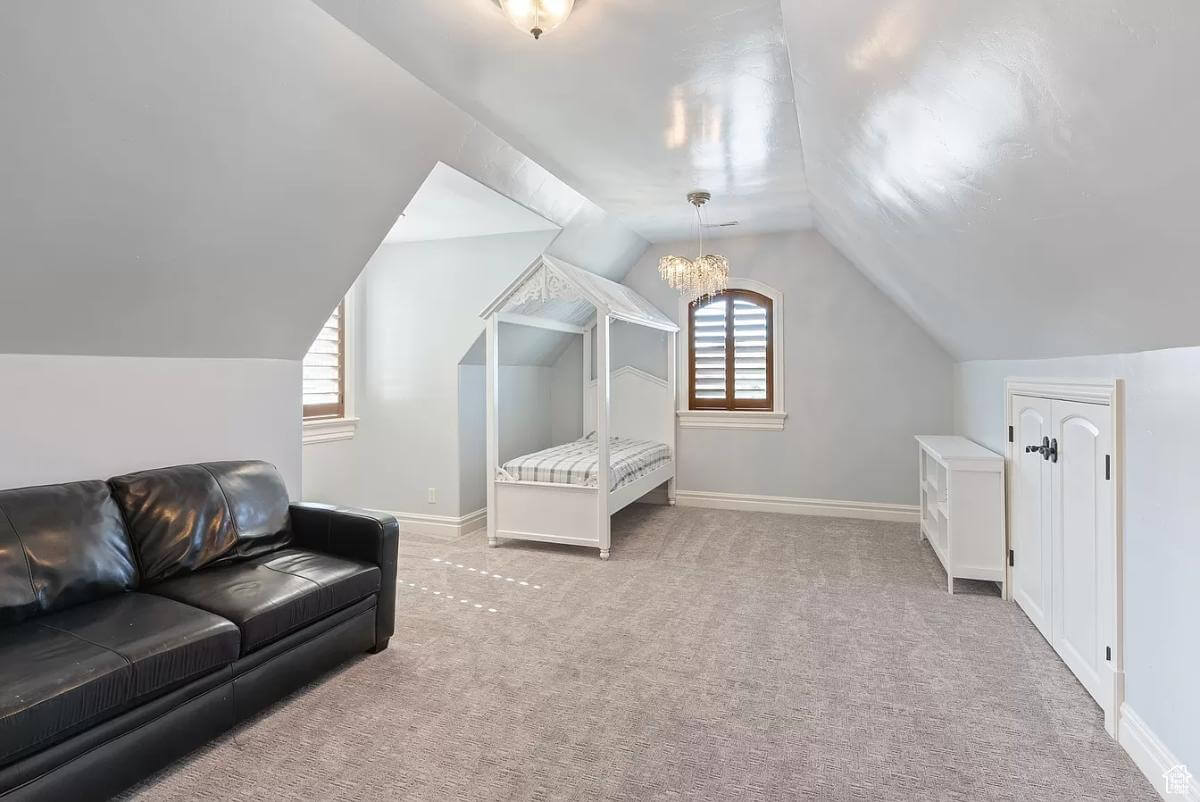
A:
(707, 274)
(537, 16)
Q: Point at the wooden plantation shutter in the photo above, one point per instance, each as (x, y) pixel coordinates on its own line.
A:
(731, 352)
(325, 369)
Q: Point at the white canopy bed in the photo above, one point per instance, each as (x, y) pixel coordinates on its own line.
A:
(567, 493)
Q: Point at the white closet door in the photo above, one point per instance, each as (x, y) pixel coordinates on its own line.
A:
(1032, 573)
(1082, 528)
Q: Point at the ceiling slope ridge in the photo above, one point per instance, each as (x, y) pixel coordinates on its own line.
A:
(483, 154)
(891, 290)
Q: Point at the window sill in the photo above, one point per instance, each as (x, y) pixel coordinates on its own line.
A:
(327, 430)
(731, 419)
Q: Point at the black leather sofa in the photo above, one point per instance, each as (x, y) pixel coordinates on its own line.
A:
(142, 616)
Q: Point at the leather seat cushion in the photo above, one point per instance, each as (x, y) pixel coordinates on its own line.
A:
(273, 595)
(52, 684)
(67, 671)
(165, 643)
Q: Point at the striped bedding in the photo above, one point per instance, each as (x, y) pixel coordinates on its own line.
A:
(576, 463)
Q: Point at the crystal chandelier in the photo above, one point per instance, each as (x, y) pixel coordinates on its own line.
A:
(537, 16)
(707, 274)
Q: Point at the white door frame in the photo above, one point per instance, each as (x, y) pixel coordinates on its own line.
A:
(1110, 393)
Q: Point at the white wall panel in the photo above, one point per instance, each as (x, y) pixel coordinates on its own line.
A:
(66, 418)
(420, 304)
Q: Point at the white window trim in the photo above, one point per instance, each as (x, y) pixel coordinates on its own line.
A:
(734, 418)
(329, 430)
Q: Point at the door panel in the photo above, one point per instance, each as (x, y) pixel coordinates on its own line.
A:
(1031, 488)
(1082, 536)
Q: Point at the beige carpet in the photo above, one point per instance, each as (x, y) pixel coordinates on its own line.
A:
(718, 655)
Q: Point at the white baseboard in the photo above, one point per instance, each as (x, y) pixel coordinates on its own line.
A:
(829, 508)
(440, 525)
(1152, 756)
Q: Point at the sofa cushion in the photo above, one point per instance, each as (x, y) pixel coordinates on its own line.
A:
(53, 684)
(61, 545)
(273, 595)
(178, 519)
(164, 642)
(188, 517)
(258, 501)
(342, 581)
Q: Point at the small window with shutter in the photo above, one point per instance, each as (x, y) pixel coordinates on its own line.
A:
(325, 370)
(731, 352)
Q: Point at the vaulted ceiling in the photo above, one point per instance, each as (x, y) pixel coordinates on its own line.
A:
(1018, 176)
(205, 179)
(632, 103)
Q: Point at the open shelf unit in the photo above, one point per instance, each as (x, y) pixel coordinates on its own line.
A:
(962, 507)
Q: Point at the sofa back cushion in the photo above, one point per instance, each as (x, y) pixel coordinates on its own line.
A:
(177, 517)
(258, 500)
(187, 517)
(61, 545)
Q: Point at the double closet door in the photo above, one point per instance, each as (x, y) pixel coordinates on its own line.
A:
(1062, 533)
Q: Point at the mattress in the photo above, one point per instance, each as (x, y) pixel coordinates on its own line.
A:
(577, 462)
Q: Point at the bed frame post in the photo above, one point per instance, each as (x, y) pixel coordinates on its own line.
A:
(673, 390)
(587, 369)
(603, 482)
(492, 360)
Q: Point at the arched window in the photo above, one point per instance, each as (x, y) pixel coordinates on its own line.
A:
(731, 352)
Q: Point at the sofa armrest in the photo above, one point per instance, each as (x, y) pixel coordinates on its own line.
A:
(360, 535)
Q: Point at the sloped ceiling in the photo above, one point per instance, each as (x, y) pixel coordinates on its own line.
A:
(521, 345)
(207, 179)
(1019, 175)
(633, 103)
(450, 205)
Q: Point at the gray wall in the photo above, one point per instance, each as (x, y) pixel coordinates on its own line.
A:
(65, 418)
(862, 379)
(524, 427)
(566, 394)
(1162, 507)
(419, 307)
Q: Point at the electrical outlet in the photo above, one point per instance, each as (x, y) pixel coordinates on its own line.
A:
(433, 495)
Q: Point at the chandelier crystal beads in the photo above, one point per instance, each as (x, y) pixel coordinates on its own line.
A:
(707, 274)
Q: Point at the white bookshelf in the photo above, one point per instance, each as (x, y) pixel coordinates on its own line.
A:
(962, 507)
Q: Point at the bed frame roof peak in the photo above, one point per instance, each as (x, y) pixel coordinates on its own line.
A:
(552, 289)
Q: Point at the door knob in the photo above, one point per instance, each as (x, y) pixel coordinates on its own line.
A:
(1048, 449)
(1043, 449)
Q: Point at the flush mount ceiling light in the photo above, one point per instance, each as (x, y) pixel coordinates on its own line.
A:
(707, 274)
(537, 16)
